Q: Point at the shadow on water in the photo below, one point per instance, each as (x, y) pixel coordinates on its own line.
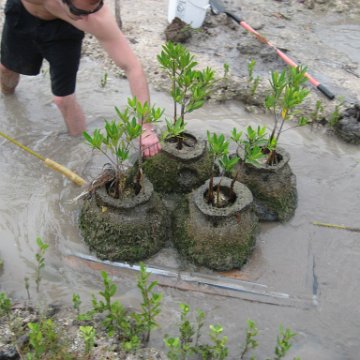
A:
(300, 275)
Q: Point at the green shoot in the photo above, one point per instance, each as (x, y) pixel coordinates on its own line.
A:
(40, 258)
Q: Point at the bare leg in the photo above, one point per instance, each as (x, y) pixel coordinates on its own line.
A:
(9, 80)
(72, 114)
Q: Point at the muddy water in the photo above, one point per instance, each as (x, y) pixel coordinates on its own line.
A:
(309, 273)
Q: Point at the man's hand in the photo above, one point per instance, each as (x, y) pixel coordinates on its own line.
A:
(150, 144)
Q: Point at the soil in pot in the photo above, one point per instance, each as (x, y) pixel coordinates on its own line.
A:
(129, 229)
(219, 238)
(179, 170)
(273, 187)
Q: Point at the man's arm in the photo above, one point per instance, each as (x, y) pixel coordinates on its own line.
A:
(103, 26)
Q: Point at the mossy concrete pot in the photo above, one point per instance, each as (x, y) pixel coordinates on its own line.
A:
(348, 126)
(129, 229)
(217, 238)
(273, 187)
(179, 170)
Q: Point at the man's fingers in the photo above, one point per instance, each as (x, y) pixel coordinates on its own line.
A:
(151, 150)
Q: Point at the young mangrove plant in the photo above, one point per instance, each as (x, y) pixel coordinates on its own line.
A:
(335, 116)
(190, 88)
(250, 147)
(47, 342)
(283, 343)
(88, 333)
(5, 305)
(150, 305)
(287, 93)
(131, 329)
(219, 152)
(46, 338)
(252, 81)
(117, 322)
(317, 114)
(76, 302)
(187, 343)
(250, 341)
(40, 258)
(116, 143)
(103, 80)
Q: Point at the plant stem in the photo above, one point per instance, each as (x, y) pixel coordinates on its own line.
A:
(218, 192)
(280, 129)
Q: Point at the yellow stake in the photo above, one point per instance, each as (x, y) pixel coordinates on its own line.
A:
(50, 163)
(339, 227)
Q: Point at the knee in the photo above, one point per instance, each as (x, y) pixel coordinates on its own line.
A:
(9, 80)
(58, 101)
(62, 102)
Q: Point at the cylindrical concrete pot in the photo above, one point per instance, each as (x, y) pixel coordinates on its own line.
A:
(273, 187)
(129, 229)
(217, 238)
(179, 171)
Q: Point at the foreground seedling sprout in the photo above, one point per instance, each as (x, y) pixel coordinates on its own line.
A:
(40, 258)
(128, 330)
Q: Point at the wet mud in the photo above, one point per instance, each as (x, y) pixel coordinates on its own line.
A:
(300, 275)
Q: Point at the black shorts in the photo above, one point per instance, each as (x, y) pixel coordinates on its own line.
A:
(27, 40)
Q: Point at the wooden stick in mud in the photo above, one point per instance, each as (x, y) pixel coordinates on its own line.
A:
(50, 163)
(338, 227)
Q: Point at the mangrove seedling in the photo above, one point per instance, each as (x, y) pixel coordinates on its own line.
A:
(5, 304)
(219, 152)
(150, 305)
(88, 333)
(40, 258)
(103, 80)
(335, 116)
(76, 302)
(250, 341)
(120, 135)
(217, 349)
(47, 342)
(251, 145)
(190, 88)
(253, 82)
(316, 115)
(187, 343)
(287, 93)
(283, 343)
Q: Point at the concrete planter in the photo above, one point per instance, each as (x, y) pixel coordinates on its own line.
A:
(273, 187)
(217, 238)
(179, 171)
(348, 126)
(129, 229)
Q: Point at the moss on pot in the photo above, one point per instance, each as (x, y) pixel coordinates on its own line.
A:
(218, 238)
(179, 171)
(273, 187)
(131, 231)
